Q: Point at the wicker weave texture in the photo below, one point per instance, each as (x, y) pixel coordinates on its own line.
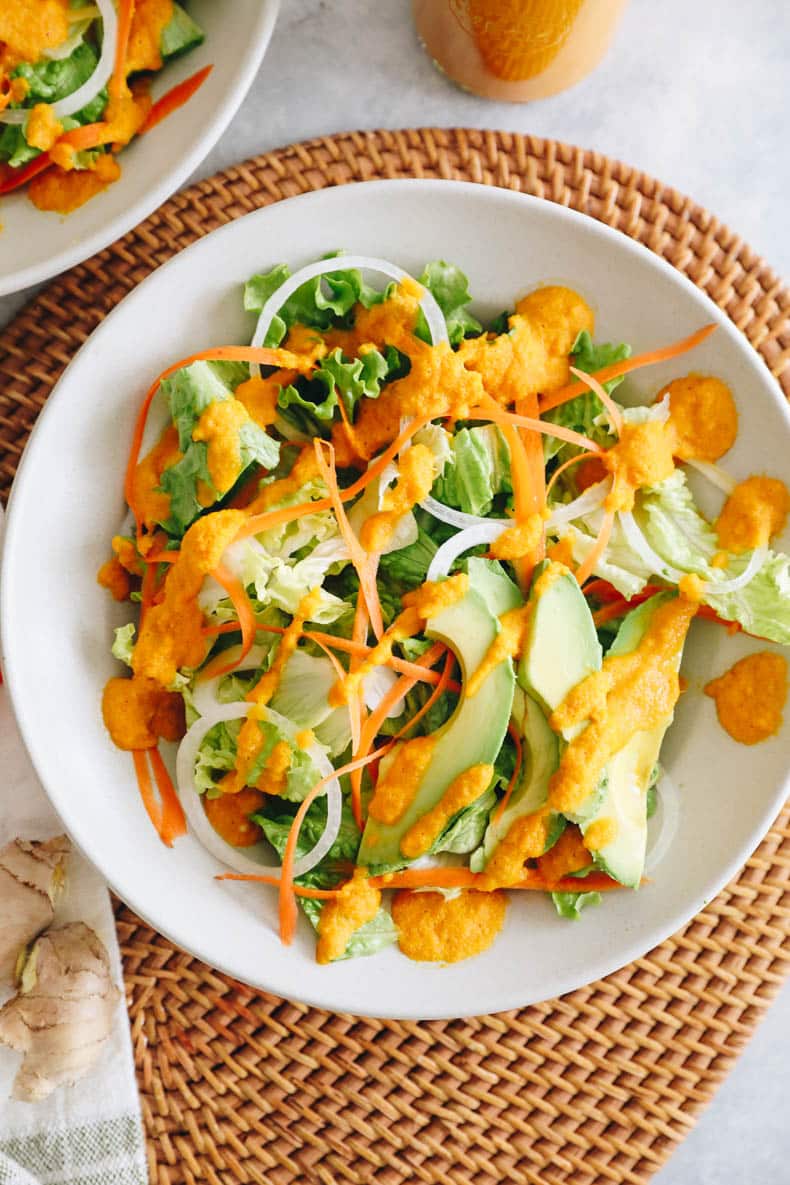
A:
(595, 1088)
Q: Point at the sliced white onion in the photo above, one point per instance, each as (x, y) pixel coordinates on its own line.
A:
(715, 588)
(666, 823)
(485, 531)
(204, 696)
(459, 518)
(715, 475)
(376, 685)
(191, 800)
(651, 559)
(586, 503)
(660, 567)
(323, 267)
(98, 79)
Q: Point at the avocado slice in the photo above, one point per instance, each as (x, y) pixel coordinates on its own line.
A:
(561, 646)
(628, 774)
(541, 754)
(474, 733)
(180, 34)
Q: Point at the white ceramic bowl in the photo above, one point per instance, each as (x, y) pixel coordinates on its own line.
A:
(35, 245)
(56, 621)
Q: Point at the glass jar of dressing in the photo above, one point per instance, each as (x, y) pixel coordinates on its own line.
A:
(516, 50)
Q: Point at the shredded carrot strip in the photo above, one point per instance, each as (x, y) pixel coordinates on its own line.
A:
(526, 498)
(287, 898)
(241, 603)
(566, 465)
(117, 83)
(627, 366)
(589, 380)
(618, 606)
(405, 685)
(287, 514)
(586, 567)
(509, 417)
(265, 357)
(176, 97)
(372, 724)
(356, 701)
(359, 557)
(514, 733)
(91, 135)
(536, 467)
(609, 612)
(174, 821)
(16, 178)
(345, 645)
(146, 786)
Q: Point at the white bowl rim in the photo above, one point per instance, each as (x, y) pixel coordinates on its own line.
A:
(171, 179)
(498, 1000)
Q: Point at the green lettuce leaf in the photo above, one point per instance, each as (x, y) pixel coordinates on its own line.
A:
(188, 393)
(49, 81)
(310, 305)
(477, 471)
(450, 288)
(333, 869)
(585, 413)
(217, 756)
(180, 34)
(123, 645)
(590, 356)
(465, 831)
(310, 404)
(570, 905)
(676, 530)
(683, 537)
(408, 567)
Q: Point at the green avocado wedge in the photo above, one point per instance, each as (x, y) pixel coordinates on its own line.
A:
(560, 649)
(561, 646)
(628, 774)
(474, 733)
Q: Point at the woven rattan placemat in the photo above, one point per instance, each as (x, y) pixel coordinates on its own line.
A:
(238, 1086)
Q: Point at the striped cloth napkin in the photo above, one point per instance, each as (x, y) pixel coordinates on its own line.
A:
(90, 1133)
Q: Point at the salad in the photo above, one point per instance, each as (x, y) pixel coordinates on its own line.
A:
(413, 594)
(74, 90)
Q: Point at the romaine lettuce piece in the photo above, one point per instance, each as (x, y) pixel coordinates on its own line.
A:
(188, 393)
(450, 288)
(477, 470)
(585, 413)
(180, 34)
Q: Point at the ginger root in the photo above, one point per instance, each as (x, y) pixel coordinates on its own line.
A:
(63, 1013)
(31, 876)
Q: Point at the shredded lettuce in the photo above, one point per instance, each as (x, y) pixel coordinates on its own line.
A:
(585, 413)
(123, 645)
(217, 756)
(50, 80)
(188, 393)
(570, 905)
(477, 470)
